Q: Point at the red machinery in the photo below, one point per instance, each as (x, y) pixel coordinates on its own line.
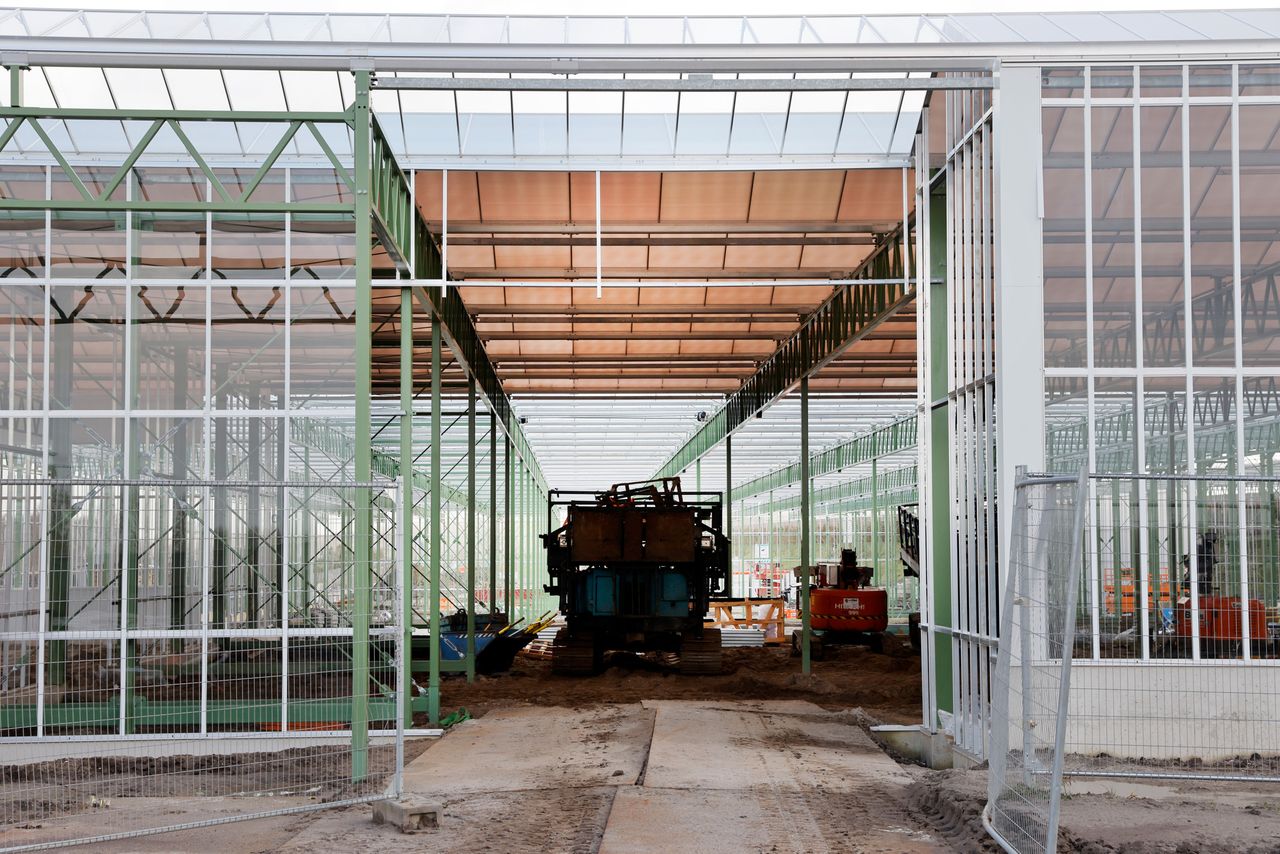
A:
(1222, 619)
(844, 608)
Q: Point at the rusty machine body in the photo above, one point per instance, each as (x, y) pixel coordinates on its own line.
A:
(635, 568)
(1222, 618)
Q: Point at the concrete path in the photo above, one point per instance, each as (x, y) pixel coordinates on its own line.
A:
(763, 777)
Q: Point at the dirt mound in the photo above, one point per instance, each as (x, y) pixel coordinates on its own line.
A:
(886, 685)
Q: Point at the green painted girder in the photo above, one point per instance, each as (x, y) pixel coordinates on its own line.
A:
(291, 124)
(853, 494)
(852, 311)
(184, 713)
(890, 438)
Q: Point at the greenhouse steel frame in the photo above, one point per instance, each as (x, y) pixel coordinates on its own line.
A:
(1031, 351)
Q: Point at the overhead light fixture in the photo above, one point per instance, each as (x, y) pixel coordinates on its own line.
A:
(702, 416)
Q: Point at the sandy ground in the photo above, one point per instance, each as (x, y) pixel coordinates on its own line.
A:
(640, 759)
(887, 686)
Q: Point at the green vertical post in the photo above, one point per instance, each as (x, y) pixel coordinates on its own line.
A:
(471, 528)
(433, 587)
(62, 336)
(522, 530)
(875, 519)
(220, 510)
(361, 570)
(406, 482)
(939, 523)
(806, 628)
(253, 516)
(728, 509)
(697, 475)
(178, 552)
(132, 532)
(508, 526)
(15, 86)
(493, 514)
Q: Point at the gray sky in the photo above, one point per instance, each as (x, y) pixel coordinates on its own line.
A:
(648, 7)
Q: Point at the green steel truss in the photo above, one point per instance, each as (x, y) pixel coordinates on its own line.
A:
(852, 311)
(890, 438)
(855, 494)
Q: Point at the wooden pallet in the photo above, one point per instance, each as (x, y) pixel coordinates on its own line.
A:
(741, 614)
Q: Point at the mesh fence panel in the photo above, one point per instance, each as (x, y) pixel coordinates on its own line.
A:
(1177, 672)
(1033, 667)
(171, 640)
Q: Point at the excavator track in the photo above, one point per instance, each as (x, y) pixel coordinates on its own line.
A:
(573, 656)
(701, 655)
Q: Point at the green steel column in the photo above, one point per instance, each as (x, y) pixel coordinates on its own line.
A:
(363, 551)
(178, 552)
(433, 590)
(697, 475)
(493, 513)
(728, 508)
(939, 524)
(805, 497)
(60, 468)
(220, 511)
(522, 531)
(406, 481)
(471, 529)
(507, 526)
(875, 519)
(15, 85)
(132, 513)
(253, 515)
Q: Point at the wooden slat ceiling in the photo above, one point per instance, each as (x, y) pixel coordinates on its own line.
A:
(735, 231)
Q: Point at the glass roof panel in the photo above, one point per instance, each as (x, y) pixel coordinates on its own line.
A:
(234, 26)
(759, 122)
(293, 27)
(72, 26)
(417, 28)
(1156, 25)
(1038, 28)
(254, 90)
(536, 31)
(1266, 20)
(197, 89)
(655, 31)
(715, 30)
(1214, 25)
(177, 25)
(1090, 27)
(430, 125)
(476, 29)
(484, 123)
(385, 104)
(779, 30)
(541, 122)
(79, 87)
(595, 123)
(649, 123)
(987, 28)
(139, 88)
(836, 29)
(595, 30)
(705, 118)
(814, 123)
(312, 90)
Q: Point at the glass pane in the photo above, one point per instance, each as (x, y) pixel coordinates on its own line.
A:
(87, 245)
(1064, 245)
(22, 343)
(324, 247)
(248, 246)
(248, 340)
(1213, 303)
(22, 244)
(1114, 430)
(86, 341)
(169, 245)
(169, 333)
(1114, 298)
(322, 339)
(1259, 249)
(1163, 271)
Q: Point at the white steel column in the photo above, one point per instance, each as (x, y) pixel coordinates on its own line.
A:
(1019, 210)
